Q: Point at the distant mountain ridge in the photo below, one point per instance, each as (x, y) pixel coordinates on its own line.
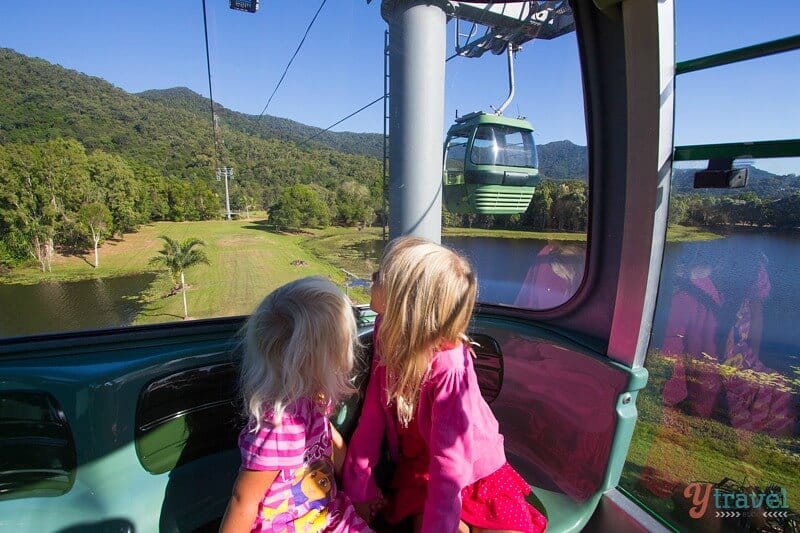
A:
(561, 160)
(170, 128)
(764, 184)
(40, 100)
(557, 160)
(268, 126)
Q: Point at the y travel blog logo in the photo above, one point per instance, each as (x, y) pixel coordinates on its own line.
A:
(725, 503)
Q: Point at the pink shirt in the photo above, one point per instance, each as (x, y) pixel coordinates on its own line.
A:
(303, 497)
(457, 425)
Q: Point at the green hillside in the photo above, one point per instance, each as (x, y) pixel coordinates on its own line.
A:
(563, 160)
(68, 140)
(270, 127)
(167, 130)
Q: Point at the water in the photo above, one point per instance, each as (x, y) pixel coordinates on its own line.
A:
(71, 306)
(733, 258)
(503, 263)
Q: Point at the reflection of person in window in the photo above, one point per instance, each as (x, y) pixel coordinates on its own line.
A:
(554, 276)
(713, 335)
(691, 338)
(758, 398)
(690, 342)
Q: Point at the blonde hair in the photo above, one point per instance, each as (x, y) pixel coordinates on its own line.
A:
(430, 296)
(566, 260)
(299, 343)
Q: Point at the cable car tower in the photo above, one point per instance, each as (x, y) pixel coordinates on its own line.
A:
(488, 156)
(490, 161)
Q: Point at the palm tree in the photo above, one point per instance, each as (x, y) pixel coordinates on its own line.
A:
(177, 257)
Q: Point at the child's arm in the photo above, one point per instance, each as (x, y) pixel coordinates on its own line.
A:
(249, 489)
(449, 448)
(364, 448)
(339, 451)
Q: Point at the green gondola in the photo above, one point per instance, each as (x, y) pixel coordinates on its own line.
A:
(490, 165)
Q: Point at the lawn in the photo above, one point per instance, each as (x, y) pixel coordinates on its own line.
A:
(690, 448)
(247, 261)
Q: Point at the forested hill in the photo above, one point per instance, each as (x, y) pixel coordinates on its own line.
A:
(68, 140)
(267, 126)
(169, 130)
(561, 160)
(760, 182)
(41, 101)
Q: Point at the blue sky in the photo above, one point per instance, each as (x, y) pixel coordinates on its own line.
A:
(150, 45)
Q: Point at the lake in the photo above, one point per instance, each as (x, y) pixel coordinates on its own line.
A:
(71, 306)
(503, 263)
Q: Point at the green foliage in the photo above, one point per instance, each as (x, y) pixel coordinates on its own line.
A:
(563, 160)
(299, 206)
(729, 211)
(95, 220)
(270, 127)
(177, 258)
(353, 204)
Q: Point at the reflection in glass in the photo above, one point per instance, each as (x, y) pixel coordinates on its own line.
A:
(721, 405)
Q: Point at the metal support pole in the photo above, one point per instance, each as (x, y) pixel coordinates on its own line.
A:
(385, 169)
(417, 60)
(504, 105)
(228, 171)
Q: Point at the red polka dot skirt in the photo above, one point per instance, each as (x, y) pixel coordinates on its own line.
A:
(498, 502)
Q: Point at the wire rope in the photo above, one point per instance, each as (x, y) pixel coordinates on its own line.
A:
(292, 59)
(354, 113)
(210, 89)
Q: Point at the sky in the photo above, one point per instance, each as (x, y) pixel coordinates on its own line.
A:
(156, 45)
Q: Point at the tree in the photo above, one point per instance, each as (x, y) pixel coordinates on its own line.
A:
(119, 189)
(96, 218)
(299, 206)
(353, 204)
(178, 257)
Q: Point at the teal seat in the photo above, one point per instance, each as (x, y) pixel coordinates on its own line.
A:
(564, 515)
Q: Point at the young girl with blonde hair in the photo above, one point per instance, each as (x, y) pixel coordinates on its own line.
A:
(451, 473)
(298, 355)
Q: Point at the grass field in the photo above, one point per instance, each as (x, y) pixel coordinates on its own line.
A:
(246, 259)
(689, 448)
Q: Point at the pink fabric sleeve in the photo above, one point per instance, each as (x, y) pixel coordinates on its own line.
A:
(450, 451)
(274, 447)
(364, 448)
(763, 286)
(682, 309)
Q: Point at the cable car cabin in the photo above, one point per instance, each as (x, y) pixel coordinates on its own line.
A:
(490, 165)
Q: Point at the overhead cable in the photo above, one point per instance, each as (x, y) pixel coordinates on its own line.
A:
(354, 113)
(210, 91)
(292, 59)
(378, 99)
